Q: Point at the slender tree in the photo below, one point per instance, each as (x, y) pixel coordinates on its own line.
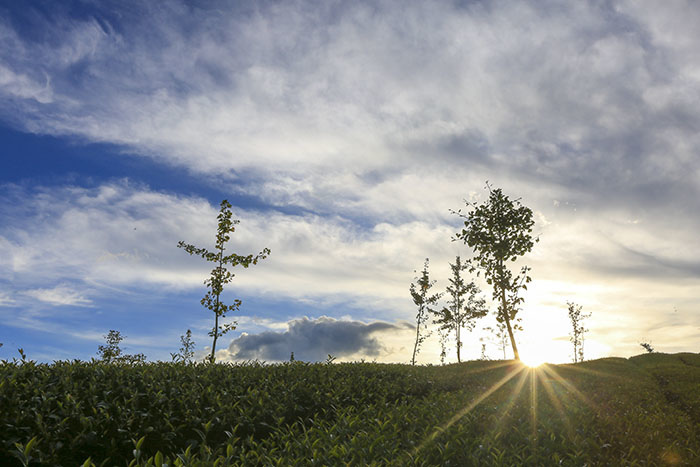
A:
(578, 330)
(220, 275)
(499, 332)
(463, 307)
(500, 231)
(421, 298)
(186, 351)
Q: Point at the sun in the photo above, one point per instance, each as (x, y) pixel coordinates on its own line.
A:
(533, 359)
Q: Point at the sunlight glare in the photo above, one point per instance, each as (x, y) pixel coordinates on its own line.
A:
(533, 359)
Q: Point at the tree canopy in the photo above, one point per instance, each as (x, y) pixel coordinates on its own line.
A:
(499, 231)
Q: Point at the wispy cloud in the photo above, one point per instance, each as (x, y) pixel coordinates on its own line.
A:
(5, 299)
(356, 126)
(59, 296)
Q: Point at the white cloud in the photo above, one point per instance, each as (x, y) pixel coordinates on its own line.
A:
(59, 296)
(6, 299)
(372, 120)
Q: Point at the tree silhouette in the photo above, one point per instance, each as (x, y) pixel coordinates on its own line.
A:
(463, 307)
(576, 316)
(499, 231)
(112, 353)
(424, 302)
(220, 275)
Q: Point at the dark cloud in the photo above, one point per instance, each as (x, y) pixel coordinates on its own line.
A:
(313, 340)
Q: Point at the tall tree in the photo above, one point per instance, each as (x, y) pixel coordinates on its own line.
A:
(220, 275)
(463, 307)
(424, 301)
(500, 231)
(578, 330)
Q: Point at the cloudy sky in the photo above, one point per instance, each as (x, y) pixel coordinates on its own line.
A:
(343, 133)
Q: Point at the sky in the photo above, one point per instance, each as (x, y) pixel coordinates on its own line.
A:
(343, 134)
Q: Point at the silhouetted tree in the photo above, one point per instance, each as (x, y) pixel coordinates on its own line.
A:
(463, 307)
(112, 353)
(424, 302)
(186, 351)
(647, 346)
(499, 231)
(220, 275)
(576, 316)
(483, 352)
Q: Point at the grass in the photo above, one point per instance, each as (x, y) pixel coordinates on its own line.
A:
(639, 411)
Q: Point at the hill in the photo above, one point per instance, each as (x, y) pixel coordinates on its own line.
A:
(612, 411)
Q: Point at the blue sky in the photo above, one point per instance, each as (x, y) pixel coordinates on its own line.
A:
(343, 133)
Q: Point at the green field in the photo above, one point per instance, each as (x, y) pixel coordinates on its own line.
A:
(639, 411)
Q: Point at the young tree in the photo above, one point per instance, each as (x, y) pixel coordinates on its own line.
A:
(499, 332)
(499, 231)
(112, 353)
(220, 275)
(424, 302)
(578, 330)
(463, 307)
(186, 351)
(483, 351)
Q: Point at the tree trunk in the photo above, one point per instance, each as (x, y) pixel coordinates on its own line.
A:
(216, 334)
(459, 345)
(415, 346)
(504, 304)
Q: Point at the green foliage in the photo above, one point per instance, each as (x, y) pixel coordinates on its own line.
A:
(112, 353)
(463, 307)
(424, 301)
(500, 231)
(578, 330)
(186, 351)
(641, 411)
(220, 275)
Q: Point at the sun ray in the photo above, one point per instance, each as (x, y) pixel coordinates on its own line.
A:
(513, 397)
(510, 375)
(553, 374)
(577, 367)
(491, 365)
(556, 402)
(534, 376)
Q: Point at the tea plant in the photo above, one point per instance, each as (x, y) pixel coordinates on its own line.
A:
(641, 411)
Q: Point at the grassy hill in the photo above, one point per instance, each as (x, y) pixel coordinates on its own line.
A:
(639, 411)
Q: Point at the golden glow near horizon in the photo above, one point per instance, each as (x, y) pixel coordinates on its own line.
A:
(533, 360)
